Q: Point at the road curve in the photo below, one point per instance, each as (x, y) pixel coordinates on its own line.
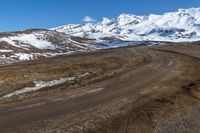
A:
(137, 83)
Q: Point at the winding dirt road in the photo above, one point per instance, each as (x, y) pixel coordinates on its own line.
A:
(148, 97)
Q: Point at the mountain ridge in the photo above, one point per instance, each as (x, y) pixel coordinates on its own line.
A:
(179, 26)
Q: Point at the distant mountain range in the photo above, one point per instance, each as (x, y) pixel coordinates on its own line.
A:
(127, 29)
(182, 25)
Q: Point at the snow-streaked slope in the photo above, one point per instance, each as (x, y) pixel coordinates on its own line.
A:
(182, 25)
(35, 44)
(31, 39)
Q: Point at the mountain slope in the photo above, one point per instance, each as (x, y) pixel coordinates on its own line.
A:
(182, 25)
(39, 43)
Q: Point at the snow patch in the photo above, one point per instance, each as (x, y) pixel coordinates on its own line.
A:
(5, 51)
(24, 56)
(42, 84)
(38, 85)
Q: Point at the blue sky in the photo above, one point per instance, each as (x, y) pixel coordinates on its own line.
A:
(24, 14)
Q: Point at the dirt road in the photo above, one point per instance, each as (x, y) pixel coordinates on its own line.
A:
(153, 95)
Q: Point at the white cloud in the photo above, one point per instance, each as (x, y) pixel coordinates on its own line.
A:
(88, 19)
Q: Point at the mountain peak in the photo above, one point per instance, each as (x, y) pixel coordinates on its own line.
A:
(189, 10)
(124, 19)
(105, 21)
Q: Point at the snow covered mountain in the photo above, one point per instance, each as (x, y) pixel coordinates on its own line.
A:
(182, 25)
(126, 29)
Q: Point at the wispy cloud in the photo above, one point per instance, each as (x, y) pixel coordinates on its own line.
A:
(88, 19)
